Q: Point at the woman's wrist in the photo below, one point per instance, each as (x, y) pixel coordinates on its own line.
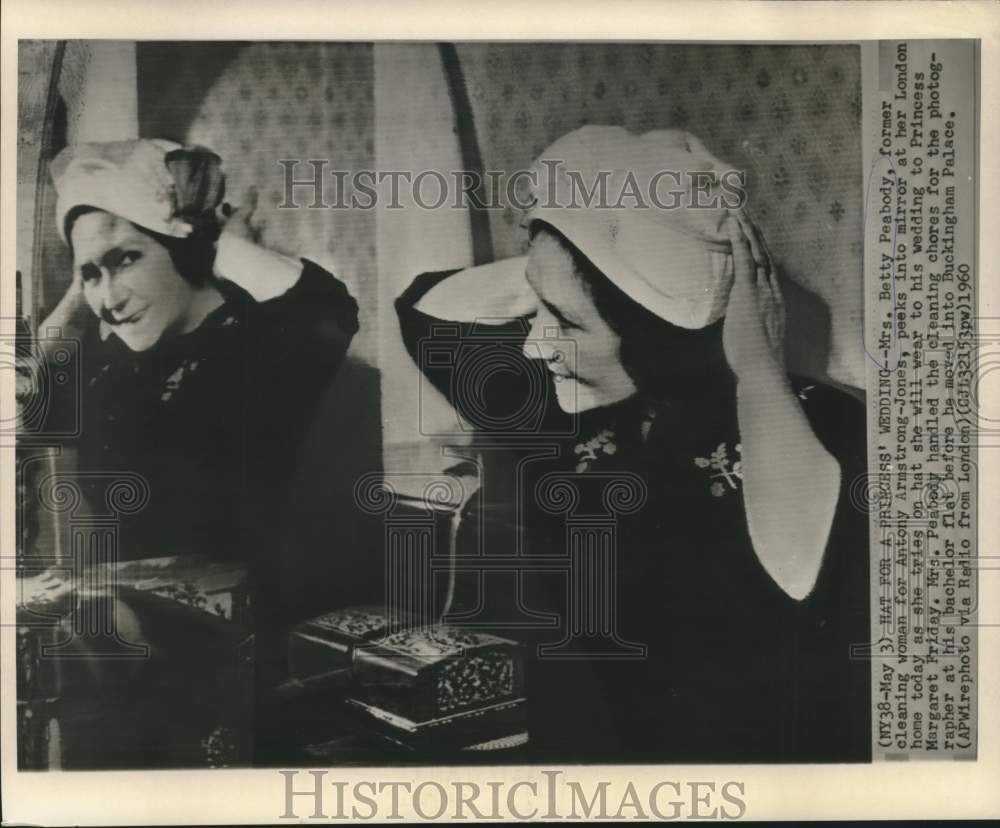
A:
(262, 273)
(765, 378)
(68, 319)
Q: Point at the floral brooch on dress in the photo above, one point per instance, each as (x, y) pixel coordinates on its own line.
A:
(589, 452)
(173, 383)
(723, 471)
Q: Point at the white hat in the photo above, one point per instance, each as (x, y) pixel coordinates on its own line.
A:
(153, 183)
(652, 234)
(669, 254)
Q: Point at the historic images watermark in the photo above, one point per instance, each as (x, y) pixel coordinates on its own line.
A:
(67, 604)
(317, 187)
(466, 362)
(309, 795)
(422, 566)
(45, 367)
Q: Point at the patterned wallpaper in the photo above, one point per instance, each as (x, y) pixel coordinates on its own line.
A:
(256, 103)
(260, 102)
(790, 115)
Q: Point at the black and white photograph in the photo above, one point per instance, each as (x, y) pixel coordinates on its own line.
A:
(496, 403)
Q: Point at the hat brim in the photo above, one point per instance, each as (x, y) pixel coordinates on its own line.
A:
(497, 291)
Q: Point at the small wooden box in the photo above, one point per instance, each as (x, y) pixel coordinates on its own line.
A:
(499, 726)
(432, 672)
(328, 642)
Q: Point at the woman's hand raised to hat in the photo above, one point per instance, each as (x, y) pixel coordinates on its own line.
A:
(69, 318)
(754, 330)
(786, 469)
(240, 258)
(239, 220)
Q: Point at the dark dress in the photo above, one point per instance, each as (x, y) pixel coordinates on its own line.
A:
(733, 669)
(213, 422)
(213, 419)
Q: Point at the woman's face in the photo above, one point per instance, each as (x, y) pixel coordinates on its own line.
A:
(129, 280)
(568, 332)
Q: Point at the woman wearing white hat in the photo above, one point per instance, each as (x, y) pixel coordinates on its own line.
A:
(203, 353)
(203, 358)
(745, 573)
